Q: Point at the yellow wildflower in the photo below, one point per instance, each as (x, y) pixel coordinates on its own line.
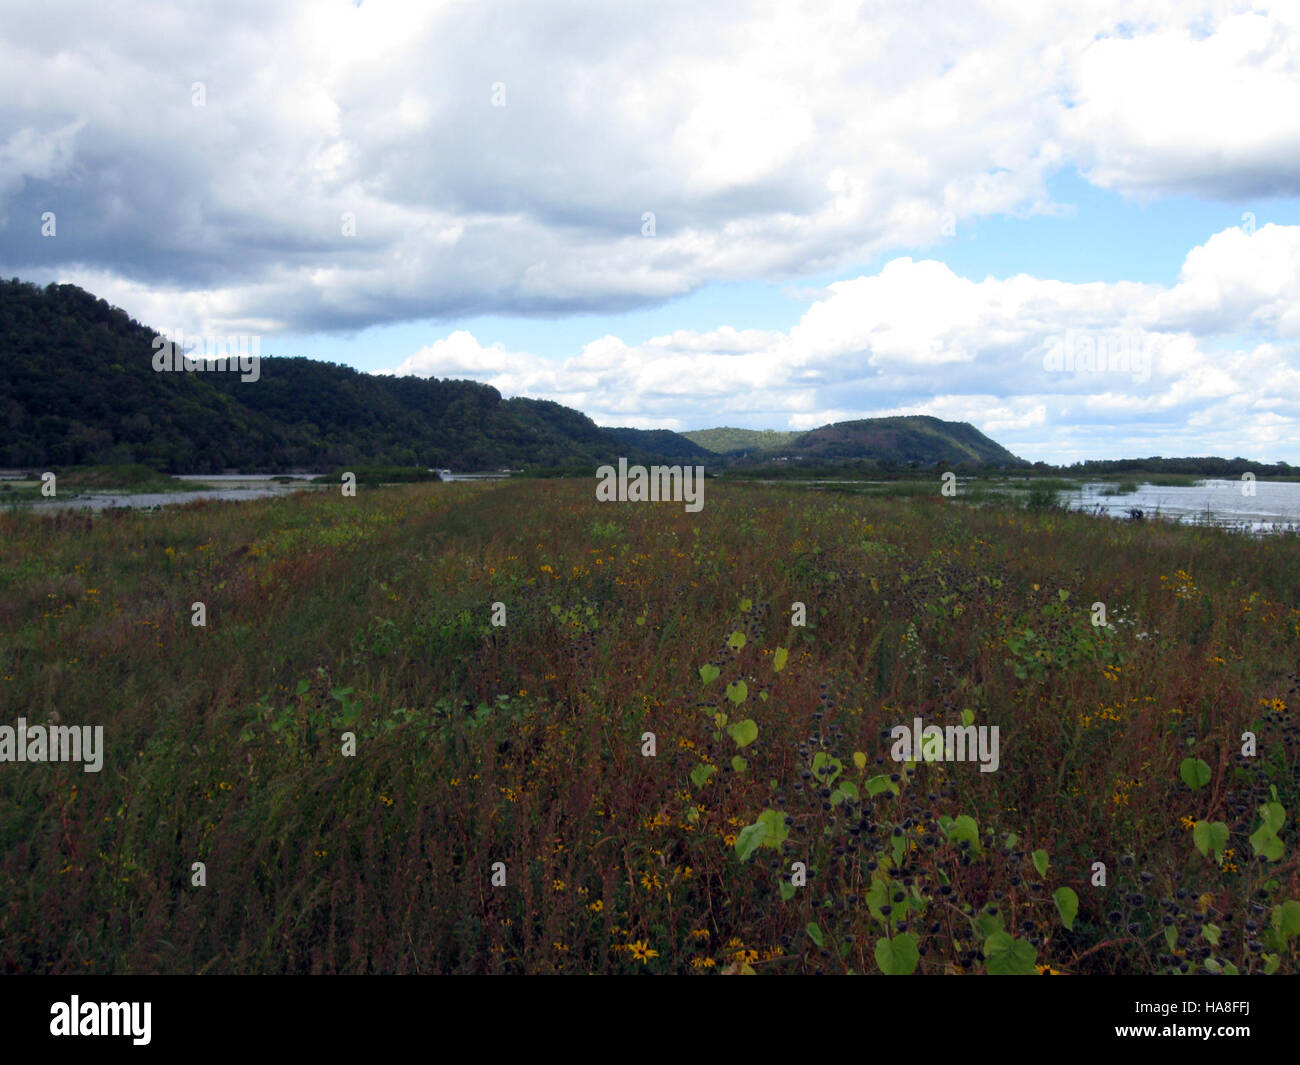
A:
(641, 951)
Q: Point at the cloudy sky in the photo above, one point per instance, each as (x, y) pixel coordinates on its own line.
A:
(1075, 225)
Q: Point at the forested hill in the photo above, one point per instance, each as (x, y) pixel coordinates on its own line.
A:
(727, 440)
(78, 386)
(665, 442)
(903, 439)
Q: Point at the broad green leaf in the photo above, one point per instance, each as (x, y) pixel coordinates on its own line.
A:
(1067, 905)
(1040, 862)
(877, 896)
(787, 890)
(709, 672)
(779, 659)
(1004, 956)
(1272, 815)
(1211, 934)
(774, 822)
(1211, 836)
(815, 933)
(746, 605)
(848, 790)
(826, 767)
(1286, 918)
(739, 764)
(1195, 773)
(879, 784)
(1264, 841)
(968, 717)
(1171, 936)
(303, 685)
(897, 956)
(859, 761)
(701, 773)
(736, 641)
(743, 732)
(738, 692)
(964, 827)
(749, 839)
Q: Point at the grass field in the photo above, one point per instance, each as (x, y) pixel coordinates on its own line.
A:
(525, 743)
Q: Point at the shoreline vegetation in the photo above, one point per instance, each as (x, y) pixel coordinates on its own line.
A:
(613, 737)
(1032, 490)
(139, 477)
(81, 480)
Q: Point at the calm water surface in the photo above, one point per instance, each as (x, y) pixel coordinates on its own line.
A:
(223, 486)
(1274, 506)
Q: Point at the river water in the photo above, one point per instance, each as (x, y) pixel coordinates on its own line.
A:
(234, 486)
(230, 486)
(1274, 506)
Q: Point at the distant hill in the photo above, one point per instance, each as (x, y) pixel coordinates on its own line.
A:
(907, 439)
(664, 442)
(910, 440)
(727, 441)
(897, 441)
(77, 386)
